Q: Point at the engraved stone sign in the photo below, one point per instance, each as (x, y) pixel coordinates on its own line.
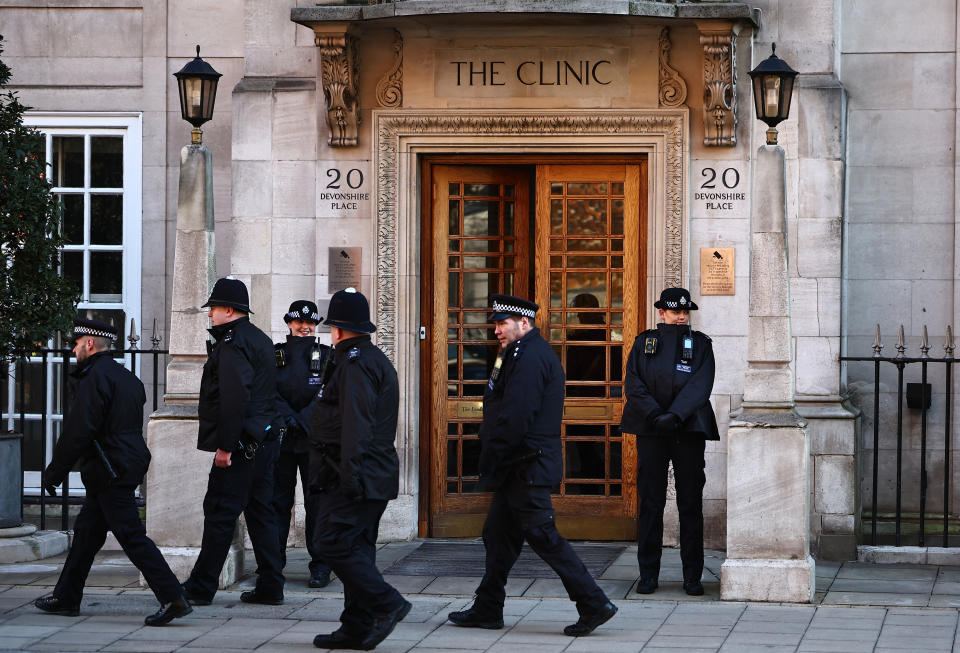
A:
(343, 189)
(720, 189)
(343, 268)
(717, 271)
(532, 72)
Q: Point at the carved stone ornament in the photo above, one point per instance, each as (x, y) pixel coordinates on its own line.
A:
(395, 131)
(673, 90)
(390, 86)
(339, 70)
(719, 87)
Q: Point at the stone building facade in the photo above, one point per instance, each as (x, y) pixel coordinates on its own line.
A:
(433, 151)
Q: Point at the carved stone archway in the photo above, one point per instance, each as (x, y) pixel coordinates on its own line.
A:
(401, 136)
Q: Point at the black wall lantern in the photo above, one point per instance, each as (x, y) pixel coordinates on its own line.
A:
(772, 90)
(197, 84)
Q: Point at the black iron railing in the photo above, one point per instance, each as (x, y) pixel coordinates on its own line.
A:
(901, 361)
(64, 356)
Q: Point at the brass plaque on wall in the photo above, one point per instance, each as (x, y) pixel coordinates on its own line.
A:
(717, 271)
(343, 268)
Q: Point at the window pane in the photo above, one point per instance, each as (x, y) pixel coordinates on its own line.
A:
(616, 222)
(451, 362)
(481, 189)
(106, 219)
(475, 359)
(481, 218)
(68, 161)
(587, 217)
(556, 216)
(454, 217)
(585, 245)
(106, 276)
(73, 267)
(585, 459)
(481, 245)
(453, 189)
(106, 162)
(587, 261)
(471, 457)
(586, 188)
(71, 208)
(477, 287)
(452, 458)
(508, 218)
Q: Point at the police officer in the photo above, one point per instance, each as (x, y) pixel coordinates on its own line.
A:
(520, 460)
(300, 362)
(103, 434)
(355, 471)
(237, 408)
(668, 382)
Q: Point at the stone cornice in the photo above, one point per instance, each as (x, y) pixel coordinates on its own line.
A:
(735, 11)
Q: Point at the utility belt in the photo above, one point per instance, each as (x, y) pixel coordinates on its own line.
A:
(247, 446)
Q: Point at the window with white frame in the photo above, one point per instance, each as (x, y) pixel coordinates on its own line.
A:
(95, 166)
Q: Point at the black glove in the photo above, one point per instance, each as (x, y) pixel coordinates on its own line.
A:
(666, 424)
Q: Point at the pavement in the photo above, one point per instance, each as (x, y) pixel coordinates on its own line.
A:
(858, 607)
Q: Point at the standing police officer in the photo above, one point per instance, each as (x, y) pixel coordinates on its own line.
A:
(668, 383)
(355, 471)
(520, 459)
(237, 407)
(103, 432)
(300, 362)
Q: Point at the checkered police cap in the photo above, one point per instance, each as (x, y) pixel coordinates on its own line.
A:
(84, 327)
(504, 306)
(303, 309)
(676, 299)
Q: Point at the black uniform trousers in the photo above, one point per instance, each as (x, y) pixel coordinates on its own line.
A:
(523, 512)
(346, 537)
(284, 493)
(245, 486)
(653, 454)
(113, 509)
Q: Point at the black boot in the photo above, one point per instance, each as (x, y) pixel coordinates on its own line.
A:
(474, 618)
(588, 622)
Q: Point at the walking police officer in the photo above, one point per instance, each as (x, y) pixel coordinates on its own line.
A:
(520, 459)
(103, 433)
(237, 408)
(355, 472)
(668, 382)
(300, 361)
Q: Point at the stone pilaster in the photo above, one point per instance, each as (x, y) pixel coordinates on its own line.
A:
(768, 447)
(176, 480)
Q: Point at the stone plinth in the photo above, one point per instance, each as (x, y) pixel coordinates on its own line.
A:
(24, 543)
(768, 504)
(176, 484)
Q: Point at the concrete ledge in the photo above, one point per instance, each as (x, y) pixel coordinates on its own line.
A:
(182, 558)
(764, 579)
(42, 544)
(913, 555)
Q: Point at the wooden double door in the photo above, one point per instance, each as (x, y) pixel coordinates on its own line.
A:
(570, 236)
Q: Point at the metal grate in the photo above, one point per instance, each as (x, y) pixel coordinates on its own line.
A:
(467, 559)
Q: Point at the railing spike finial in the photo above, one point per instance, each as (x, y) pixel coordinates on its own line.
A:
(901, 347)
(924, 347)
(948, 347)
(133, 338)
(877, 345)
(155, 339)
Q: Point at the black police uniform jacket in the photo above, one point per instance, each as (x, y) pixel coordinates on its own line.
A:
(297, 384)
(663, 381)
(107, 407)
(238, 389)
(354, 424)
(522, 410)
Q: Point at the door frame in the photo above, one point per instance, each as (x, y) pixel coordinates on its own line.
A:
(401, 137)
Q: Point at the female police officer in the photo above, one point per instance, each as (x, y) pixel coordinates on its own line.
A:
(300, 362)
(668, 382)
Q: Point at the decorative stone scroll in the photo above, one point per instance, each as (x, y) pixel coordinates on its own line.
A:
(719, 84)
(395, 131)
(390, 86)
(339, 70)
(673, 90)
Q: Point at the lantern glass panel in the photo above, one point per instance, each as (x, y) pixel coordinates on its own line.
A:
(771, 96)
